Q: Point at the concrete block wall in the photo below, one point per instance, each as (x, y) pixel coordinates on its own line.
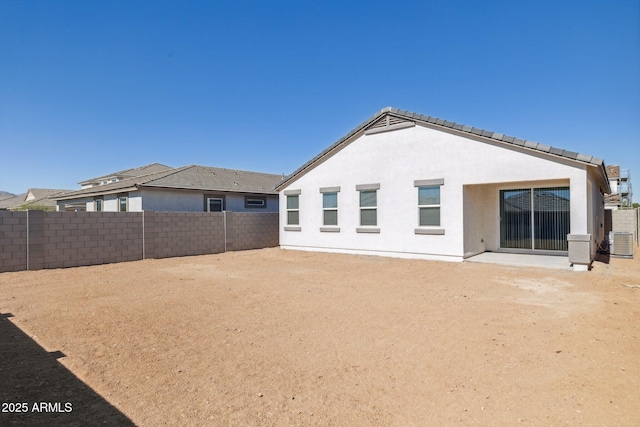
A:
(13, 241)
(74, 239)
(172, 234)
(247, 230)
(35, 240)
(626, 220)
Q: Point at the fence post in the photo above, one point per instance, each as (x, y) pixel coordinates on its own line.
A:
(27, 239)
(143, 235)
(224, 220)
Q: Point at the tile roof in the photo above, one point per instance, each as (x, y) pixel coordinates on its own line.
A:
(613, 171)
(12, 201)
(130, 173)
(433, 121)
(218, 179)
(193, 177)
(39, 197)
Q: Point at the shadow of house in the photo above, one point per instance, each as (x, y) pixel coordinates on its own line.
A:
(53, 395)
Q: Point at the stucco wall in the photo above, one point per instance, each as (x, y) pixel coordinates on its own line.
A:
(166, 200)
(170, 200)
(394, 160)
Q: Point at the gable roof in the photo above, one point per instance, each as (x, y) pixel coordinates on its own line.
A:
(129, 173)
(193, 177)
(392, 118)
(218, 179)
(37, 197)
(14, 200)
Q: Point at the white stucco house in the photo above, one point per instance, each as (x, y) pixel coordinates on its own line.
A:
(161, 188)
(406, 185)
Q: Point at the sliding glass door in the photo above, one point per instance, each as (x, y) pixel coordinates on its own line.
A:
(535, 218)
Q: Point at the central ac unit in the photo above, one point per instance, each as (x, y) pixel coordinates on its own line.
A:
(621, 244)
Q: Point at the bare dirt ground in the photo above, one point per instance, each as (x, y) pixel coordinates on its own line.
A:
(273, 337)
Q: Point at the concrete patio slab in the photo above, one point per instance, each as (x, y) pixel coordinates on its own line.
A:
(522, 260)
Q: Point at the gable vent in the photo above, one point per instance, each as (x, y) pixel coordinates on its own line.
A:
(388, 123)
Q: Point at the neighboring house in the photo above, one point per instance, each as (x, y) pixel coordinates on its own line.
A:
(407, 185)
(125, 174)
(9, 200)
(620, 182)
(186, 189)
(37, 199)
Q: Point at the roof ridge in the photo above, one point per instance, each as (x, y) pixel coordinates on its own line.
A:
(236, 170)
(470, 130)
(123, 172)
(163, 174)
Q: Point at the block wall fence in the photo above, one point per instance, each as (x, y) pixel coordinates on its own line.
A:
(627, 220)
(35, 240)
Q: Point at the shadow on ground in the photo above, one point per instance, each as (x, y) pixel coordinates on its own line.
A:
(54, 396)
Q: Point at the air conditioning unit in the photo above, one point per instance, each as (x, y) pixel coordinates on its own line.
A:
(621, 244)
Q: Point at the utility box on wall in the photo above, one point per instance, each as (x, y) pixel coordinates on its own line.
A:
(579, 251)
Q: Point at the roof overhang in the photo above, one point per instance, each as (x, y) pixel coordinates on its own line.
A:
(94, 193)
(220, 190)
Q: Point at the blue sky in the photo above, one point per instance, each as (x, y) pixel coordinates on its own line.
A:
(92, 87)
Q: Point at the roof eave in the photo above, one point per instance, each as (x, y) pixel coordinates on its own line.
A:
(95, 193)
(179, 187)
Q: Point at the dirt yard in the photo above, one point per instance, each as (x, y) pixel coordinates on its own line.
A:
(273, 337)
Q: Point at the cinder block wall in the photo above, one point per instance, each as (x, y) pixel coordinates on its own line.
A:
(13, 241)
(625, 220)
(172, 234)
(73, 239)
(248, 230)
(35, 240)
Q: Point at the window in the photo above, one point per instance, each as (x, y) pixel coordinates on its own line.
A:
(368, 207)
(98, 205)
(215, 204)
(122, 203)
(293, 210)
(429, 206)
(330, 208)
(255, 202)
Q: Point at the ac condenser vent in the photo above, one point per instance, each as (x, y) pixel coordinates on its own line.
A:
(621, 244)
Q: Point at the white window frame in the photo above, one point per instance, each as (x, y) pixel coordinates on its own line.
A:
(289, 225)
(126, 203)
(209, 199)
(329, 209)
(371, 228)
(430, 183)
(255, 202)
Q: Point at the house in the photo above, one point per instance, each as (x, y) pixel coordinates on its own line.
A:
(408, 185)
(620, 183)
(191, 188)
(9, 200)
(125, 174)
(36, 199)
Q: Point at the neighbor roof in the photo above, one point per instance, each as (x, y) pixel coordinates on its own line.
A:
(38, 197)
(130, 173)
(12, 201)
(193, 177)
(447, 125)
